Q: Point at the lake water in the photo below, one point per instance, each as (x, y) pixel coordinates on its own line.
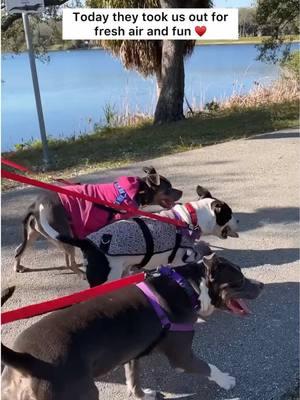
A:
(76, 86)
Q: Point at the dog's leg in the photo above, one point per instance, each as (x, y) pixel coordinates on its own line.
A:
(178, 349)
(67, 260)
(133, 382)
(70, 259)
(30, 235)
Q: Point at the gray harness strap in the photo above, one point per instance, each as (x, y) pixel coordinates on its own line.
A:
(148, 240)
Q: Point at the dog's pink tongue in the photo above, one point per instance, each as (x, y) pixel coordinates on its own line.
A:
(238, 306)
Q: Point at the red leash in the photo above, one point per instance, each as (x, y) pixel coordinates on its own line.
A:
(59, 189)
(47, 306)
(15, 165)
(19, 167)
(65, 301)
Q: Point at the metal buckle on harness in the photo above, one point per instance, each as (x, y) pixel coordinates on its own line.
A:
(194, 227)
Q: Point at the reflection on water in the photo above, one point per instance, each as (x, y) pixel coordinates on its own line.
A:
(77, 85)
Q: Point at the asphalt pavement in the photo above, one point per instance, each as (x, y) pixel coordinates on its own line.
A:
(259, 178)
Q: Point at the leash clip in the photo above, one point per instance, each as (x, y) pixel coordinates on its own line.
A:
(194, 227)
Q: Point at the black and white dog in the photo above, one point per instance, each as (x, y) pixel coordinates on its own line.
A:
(52, 214)
(147, 243)
(59, 356)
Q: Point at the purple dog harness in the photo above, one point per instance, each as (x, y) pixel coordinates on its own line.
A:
(160, 312)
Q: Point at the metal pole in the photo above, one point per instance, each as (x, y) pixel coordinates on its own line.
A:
(36, 89)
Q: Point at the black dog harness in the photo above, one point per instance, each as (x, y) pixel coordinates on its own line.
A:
(148, 240)
(150, 244)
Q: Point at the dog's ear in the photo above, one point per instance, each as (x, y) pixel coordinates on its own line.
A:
(149, 170)
(203, 193)
(210, 262)
(152, 177)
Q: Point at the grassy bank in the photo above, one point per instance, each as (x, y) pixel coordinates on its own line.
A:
(245, 40)
(115, 147)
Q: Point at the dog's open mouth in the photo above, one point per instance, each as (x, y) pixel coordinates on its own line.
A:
(166, 203)
(237, 306)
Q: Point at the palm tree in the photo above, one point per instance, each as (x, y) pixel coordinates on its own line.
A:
(164, 59)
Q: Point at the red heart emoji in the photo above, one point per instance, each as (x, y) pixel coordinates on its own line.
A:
(200, 30)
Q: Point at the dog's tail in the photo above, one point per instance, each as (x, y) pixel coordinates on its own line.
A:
(22, 361)
(83, 244)
(6, 294)
(27, 364)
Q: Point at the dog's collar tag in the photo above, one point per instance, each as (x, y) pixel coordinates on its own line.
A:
(122, 194)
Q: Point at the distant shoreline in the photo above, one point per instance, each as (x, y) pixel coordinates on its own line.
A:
(241, 41)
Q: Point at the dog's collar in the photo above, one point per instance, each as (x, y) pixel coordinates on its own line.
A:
(192, 230)
(193, 214)
(160, 312)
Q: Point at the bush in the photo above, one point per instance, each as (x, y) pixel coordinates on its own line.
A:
(292, 63)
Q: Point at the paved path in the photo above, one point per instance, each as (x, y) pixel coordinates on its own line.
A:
(258, 178)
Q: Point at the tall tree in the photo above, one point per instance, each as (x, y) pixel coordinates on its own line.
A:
(46, 28)
(247, 22)
(164, 59)
(275, 19)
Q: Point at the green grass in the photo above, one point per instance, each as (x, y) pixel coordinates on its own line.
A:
(115, 147)
(293, 63)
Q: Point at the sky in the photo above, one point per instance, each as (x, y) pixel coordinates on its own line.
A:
(232, 3)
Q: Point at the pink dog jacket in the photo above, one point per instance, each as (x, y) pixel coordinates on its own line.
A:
(86, 217)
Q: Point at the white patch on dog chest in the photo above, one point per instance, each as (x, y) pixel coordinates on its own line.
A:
(149, 394)
(206, 307)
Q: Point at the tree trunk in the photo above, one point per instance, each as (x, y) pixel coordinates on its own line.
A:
(158, 82)
(170, 102)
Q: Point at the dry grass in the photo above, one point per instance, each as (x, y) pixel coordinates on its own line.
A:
(286, 88)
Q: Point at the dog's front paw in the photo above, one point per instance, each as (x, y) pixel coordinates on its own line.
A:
(150, 394)
(223, 379)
